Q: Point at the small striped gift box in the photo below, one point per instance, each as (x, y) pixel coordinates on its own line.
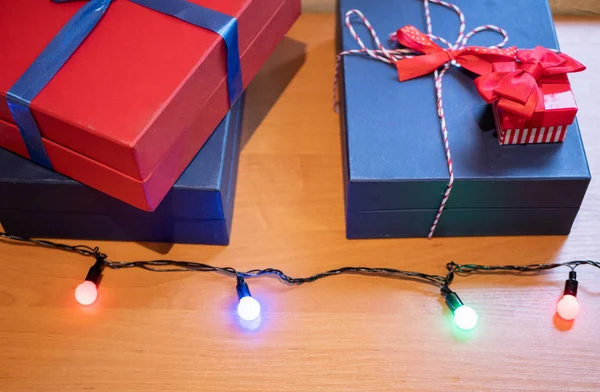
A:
(554, 113)
(550, 134)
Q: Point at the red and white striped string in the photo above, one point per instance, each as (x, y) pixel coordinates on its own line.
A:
(391, 56)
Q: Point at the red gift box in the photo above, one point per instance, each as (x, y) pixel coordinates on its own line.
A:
(554, 112)
(138, 99)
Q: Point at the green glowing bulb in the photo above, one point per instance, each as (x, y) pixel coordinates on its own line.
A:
(465, 318)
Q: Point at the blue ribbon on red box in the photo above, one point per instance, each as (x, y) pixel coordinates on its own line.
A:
(70, 37)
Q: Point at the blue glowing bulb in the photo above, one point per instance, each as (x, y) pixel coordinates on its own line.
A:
(248, 309)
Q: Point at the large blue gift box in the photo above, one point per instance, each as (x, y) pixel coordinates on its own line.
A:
(394, 162)
(37, 202)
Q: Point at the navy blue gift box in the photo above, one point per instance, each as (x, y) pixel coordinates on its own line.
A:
(394, 163)
(37, 202)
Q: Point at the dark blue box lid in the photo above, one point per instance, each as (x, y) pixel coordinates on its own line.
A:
(202, 192)
(394, 155)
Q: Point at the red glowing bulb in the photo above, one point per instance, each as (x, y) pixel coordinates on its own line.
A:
(567, 307)
(86, 293)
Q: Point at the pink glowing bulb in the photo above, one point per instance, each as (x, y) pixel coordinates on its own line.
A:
(568, 307)
(86, 293)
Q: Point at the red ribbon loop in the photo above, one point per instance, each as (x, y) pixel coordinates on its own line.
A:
(518, 91)
(476, 59)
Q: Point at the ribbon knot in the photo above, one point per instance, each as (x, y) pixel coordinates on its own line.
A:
(476, 59)
(451, 55)
(517, 90)
(534, 68)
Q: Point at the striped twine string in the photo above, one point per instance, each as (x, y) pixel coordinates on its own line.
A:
(391, 56)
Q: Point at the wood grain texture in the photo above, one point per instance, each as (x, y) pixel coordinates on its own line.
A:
(161, 332)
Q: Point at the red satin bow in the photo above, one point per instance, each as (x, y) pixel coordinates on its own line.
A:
(518, 92)
(476, 59)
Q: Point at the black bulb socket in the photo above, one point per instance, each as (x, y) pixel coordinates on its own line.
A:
(94, 275)
(242, 288)
(571, 284)
(452, 299)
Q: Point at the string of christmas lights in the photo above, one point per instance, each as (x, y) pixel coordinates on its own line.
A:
(248, 308)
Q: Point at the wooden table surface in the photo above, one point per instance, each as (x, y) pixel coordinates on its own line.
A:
(178, 332)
